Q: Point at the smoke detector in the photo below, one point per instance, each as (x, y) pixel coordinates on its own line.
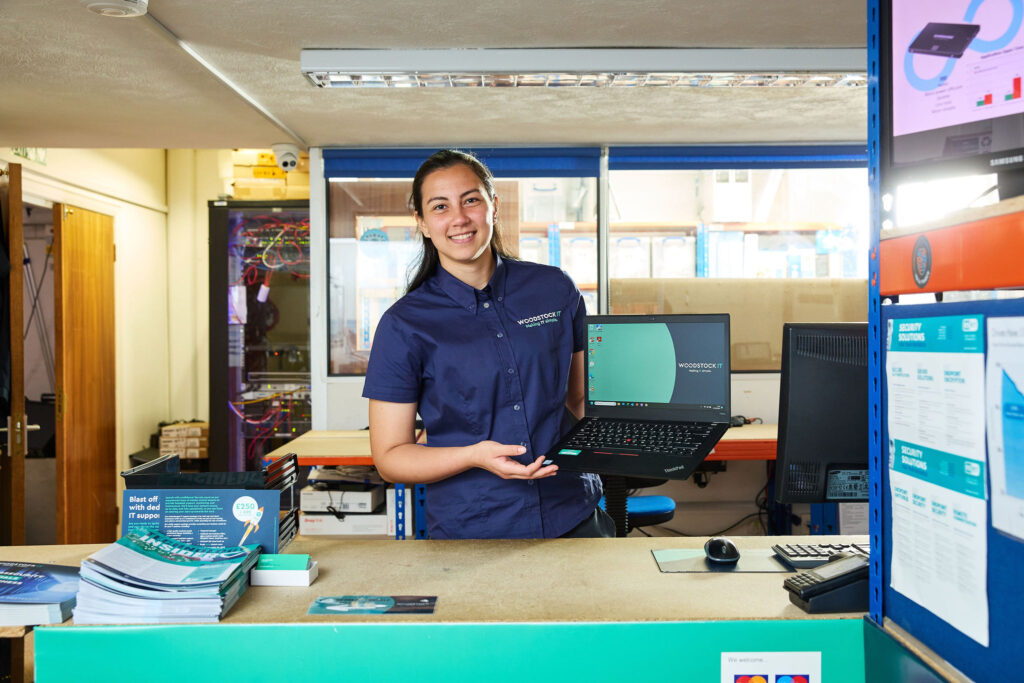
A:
(117, 8)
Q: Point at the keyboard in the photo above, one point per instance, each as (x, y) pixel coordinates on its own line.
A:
(672, 438)
(809, 556)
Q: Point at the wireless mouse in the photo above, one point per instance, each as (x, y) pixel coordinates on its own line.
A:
(721, 550)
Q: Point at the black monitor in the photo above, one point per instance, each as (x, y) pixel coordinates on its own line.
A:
(951, 96)
(822, 447)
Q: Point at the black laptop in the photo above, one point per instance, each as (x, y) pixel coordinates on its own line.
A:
(657, 396)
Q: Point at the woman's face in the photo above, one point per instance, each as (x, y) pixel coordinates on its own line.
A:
(458, 215)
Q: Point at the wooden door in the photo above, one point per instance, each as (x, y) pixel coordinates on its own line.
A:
(12, 457)
(83, 249)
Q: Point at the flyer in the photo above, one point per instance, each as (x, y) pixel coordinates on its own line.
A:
(935, 380)
(1004, 387)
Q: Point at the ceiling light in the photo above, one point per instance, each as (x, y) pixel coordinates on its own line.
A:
(585, 67)
(117, 8)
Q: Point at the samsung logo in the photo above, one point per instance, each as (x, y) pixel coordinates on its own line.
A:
(1015, 159)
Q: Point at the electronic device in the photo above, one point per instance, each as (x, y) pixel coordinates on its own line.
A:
(944, 40)
(822, 447)
(720, 550)
(657, 396)
(952, 96)
(811, 555)
(840, 585)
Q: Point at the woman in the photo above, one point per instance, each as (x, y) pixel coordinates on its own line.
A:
(489, 351)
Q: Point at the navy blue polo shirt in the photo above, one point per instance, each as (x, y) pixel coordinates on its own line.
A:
(489, 364)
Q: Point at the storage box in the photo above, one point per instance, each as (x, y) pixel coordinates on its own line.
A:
(297, 179)
(257, 172)
(355, 524)
(183, 442)
(348, 497)
(260, 188)
(185, 430)
(296, 192)
(253, 157)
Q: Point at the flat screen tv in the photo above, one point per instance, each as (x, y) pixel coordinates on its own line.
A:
(952, 103)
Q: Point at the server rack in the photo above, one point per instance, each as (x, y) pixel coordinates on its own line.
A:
(259, 329)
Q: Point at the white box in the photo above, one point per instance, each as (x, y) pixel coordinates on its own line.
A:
(345, 497)
(356, 524)
(284, 577)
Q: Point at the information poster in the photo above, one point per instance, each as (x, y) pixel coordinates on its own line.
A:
(1005, 391)
(935, 374)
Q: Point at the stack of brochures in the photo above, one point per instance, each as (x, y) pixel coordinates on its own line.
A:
(32, 593)
(148, 578)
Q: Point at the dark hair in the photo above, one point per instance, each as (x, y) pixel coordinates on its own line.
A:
(446, 158)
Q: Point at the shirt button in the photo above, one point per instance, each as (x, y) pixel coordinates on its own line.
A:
(500, 298)
(511, 371)
(487, 304)
(500, 335)
(515, 407)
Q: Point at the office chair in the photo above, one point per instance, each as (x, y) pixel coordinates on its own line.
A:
(630, 512)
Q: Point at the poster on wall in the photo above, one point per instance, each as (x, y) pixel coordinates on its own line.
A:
(935, 379)
(1004, 387)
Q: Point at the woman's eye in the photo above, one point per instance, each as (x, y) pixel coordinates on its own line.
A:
(438, 207)
(472, 200)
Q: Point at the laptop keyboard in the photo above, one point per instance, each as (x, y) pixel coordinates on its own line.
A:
(672, 438)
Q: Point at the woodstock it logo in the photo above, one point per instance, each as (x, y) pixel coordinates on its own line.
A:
(542, 319)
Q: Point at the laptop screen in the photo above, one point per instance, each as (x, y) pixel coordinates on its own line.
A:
(658, 367)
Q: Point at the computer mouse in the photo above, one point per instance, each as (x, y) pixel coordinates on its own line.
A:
(721, 550)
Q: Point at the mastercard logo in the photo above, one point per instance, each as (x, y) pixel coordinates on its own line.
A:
(750, 679)
(759, 678)
(792, 679)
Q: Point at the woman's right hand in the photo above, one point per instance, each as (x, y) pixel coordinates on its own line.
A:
(498, 458)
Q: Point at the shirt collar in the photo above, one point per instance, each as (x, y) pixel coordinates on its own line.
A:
(466, 296)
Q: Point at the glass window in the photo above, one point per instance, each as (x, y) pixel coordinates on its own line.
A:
(374, 247)
(767, 246)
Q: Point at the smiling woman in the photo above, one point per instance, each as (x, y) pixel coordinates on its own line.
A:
(494, 393)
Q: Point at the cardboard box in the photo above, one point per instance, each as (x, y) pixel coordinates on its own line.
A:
(256, 172)
(303, 165)
(348, 497)
(297, 192)
(297, 178)
(185, 429)
(260, 188)
(183, 442)
(253, 157)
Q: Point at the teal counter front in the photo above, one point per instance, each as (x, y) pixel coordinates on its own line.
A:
(565, 609)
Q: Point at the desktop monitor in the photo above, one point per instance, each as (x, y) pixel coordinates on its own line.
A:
(951, 92)
(822, 451)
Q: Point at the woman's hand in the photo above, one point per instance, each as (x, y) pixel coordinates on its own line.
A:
(498, 459)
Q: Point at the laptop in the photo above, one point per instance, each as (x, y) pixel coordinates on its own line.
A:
(657, 396)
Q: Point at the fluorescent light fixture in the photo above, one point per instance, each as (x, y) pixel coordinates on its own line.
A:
(585, 67)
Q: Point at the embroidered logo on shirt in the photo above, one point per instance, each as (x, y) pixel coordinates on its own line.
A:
(542, 319)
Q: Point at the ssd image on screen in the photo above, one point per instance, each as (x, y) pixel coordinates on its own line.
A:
(944, 40)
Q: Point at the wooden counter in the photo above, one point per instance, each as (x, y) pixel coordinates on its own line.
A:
(497, 603)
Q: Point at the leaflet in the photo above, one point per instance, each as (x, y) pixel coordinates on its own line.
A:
(1004, 384)
(935, 378)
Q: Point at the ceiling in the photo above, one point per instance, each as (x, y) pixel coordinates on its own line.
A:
(71, 78)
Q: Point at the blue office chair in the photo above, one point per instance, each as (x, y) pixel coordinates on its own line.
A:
(631, 512)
